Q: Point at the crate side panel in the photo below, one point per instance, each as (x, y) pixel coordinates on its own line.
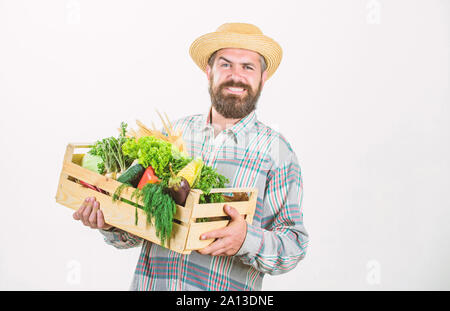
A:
(197, 229)
(119, 214)
(216, 209)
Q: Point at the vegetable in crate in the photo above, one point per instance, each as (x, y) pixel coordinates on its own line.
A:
(93, 163)
(209, 179)
(151, 151)
(181, 184)
(132, 175)
(179, 190)
(158, 204)
(148, 177)
(115, 162)
(192, 171)
(85, 184)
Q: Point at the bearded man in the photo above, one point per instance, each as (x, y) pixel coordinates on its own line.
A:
(237, 59)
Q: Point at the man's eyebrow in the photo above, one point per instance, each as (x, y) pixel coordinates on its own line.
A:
(221, 57)
(229, 61)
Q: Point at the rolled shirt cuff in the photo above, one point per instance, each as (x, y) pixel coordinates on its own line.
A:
(252, 244)
(110, 233)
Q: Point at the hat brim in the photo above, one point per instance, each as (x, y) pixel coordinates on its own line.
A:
(202, 48)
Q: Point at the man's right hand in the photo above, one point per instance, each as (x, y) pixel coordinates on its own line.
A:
(90, 214)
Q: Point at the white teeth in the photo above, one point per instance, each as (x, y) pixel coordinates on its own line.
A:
(234, 89)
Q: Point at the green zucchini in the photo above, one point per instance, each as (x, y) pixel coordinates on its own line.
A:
(132, 175)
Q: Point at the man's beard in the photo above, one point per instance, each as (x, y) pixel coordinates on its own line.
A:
(233, 106)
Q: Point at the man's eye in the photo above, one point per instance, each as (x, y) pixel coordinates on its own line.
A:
(249, 67)
(225, 65)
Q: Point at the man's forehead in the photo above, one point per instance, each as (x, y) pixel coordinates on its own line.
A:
(238, 54)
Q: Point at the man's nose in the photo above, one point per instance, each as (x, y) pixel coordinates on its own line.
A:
(236, 74)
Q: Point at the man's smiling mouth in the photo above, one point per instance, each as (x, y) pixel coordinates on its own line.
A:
(235, 90)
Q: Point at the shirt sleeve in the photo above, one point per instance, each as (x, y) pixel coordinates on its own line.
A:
(276, 246)
(120, 239)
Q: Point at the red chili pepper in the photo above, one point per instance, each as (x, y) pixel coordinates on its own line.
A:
(149, 177)
(85, 184)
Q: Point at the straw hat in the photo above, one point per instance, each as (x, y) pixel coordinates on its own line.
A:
(237, 35)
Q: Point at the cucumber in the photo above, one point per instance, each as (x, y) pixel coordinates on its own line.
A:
(132, 175)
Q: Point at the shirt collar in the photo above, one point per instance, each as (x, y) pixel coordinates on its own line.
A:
(241, 127)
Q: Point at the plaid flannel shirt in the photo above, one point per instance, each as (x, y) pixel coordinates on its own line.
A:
(249, 154)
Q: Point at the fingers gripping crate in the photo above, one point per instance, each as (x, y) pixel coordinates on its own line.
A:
(186, 229)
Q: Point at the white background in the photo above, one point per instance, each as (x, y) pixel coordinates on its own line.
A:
(362, 94)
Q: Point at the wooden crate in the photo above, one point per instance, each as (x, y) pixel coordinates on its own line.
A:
(186, 230)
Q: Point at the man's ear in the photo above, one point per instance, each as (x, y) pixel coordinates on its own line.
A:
(263, 78)
(208, 71)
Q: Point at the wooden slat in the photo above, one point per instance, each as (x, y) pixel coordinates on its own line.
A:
(197, 229)
(82, 145)
(119, 214)
(67, 158)
(252, 202)
(216, 209)
(231, 190)
(100, 181)
(183, 214)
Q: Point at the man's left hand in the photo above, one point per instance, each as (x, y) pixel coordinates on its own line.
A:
(229, 239)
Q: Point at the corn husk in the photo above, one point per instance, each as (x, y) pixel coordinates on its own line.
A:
(173, 137)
